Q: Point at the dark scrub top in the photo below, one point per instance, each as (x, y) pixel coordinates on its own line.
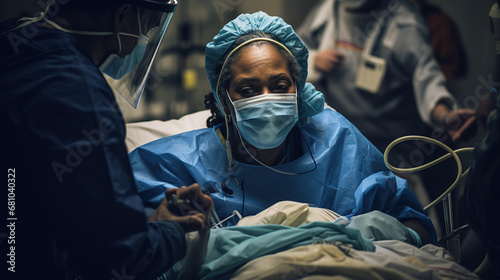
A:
(482, 188)
(76, 208)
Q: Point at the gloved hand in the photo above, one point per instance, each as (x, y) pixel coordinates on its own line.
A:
(376, 225)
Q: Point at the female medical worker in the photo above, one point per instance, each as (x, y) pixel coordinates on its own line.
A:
(273, 140)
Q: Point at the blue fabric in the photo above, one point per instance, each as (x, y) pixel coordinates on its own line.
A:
(76, 199)
(310, 101)
(350, 177)
(230, 248)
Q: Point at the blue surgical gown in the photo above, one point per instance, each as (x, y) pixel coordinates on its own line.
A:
(350, 177)
(76, 202)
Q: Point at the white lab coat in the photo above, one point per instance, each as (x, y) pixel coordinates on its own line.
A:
(413, 83)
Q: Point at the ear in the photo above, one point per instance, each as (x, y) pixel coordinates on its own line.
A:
(120, 16)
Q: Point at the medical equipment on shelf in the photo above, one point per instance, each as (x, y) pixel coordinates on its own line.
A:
(452, 235)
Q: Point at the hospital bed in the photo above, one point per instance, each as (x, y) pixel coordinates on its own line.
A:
(141, 133)
(144, 132)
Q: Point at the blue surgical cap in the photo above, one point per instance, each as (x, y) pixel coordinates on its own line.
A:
(310, 101)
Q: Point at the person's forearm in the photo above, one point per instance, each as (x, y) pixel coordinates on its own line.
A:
(439, 113)
(421, 229)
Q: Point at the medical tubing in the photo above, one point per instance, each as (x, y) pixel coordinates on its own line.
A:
(235, 213)
(455, 232)
(451, 153)
(229, 153)
(243, 199)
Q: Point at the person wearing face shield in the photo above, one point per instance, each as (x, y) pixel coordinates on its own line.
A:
(271, 138)
(74, 209)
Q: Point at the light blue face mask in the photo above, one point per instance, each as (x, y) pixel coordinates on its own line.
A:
(265, 120)
(116, 67)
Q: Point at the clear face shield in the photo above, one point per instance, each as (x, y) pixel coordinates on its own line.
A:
(154, 21)
(128, 74)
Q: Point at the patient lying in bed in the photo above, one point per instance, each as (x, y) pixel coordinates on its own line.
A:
(322, 160)
(245, 251)
(291, 240)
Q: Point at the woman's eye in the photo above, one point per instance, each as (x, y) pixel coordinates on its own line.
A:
(247, 91)
(281, 88)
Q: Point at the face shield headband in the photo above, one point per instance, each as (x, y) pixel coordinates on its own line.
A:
(217, 94)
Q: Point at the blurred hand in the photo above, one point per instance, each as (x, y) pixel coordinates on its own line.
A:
(458, 122)
(189, 218)
(328, 60)
(483, 111)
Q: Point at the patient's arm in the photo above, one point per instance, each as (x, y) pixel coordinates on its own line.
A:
(420, 228)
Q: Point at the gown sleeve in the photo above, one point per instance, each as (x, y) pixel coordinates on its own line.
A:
(417, 61)
(157, 169)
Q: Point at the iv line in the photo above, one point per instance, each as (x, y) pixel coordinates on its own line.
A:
(451, 153)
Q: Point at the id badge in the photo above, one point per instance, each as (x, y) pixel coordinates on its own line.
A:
(371, 73)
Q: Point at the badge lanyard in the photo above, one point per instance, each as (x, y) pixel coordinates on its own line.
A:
(371, 71)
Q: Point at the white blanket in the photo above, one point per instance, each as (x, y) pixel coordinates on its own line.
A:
(141, 133)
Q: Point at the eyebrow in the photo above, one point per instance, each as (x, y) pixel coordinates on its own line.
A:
(274, 77)
(246, 80)
(279, 76)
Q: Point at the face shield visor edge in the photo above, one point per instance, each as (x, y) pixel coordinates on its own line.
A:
(130, 82)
